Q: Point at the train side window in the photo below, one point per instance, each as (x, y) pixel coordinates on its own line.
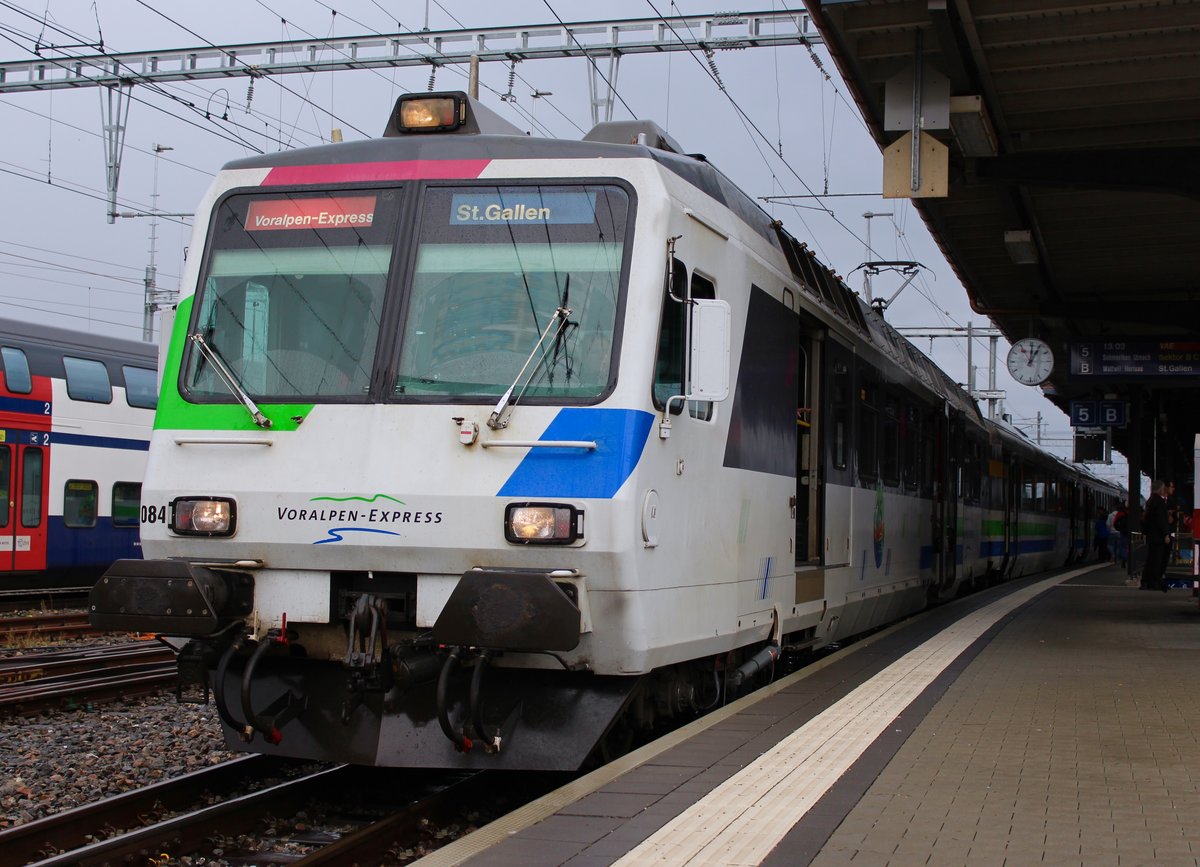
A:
(840, 397)
(910, 438)
(141, 387)
(5, 483)
(16, 370)
(868, 431)
(929, 459)
(1027, 487)
(87, 380)
(80, 498)
(32, 461)
(702, 287)
(889, 462)
(669, 363)
(126, 503)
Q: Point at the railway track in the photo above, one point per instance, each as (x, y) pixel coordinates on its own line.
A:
(37, 681)
(31, 628)
(43, 599)
(296, 814)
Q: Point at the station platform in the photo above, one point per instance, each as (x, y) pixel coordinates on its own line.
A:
(1052, 720)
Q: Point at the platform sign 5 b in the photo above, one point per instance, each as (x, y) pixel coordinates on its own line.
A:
(1099, 413)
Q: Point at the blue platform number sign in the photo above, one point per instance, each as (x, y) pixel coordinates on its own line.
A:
(1085, 413)
(1112, 413)
(1098, 413)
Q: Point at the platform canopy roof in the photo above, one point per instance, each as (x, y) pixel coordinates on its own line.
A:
(1072, 211)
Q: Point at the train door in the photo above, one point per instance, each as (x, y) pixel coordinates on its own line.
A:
(22, 508)
(1076, 541)
(809, 476)
(948, 488)
(1012, 500)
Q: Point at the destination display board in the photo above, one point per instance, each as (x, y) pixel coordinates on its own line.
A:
(1136, 360)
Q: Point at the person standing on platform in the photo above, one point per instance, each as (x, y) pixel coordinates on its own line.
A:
(1119, 522)
(1154, 527)
(1100, 534)
(1172, 525)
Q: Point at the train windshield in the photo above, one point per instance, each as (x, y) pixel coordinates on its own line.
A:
(293, 293)
(494, 265)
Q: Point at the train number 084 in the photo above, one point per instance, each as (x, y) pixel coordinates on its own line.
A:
(154, 514)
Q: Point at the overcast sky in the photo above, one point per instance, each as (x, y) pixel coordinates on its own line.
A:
(62, 263)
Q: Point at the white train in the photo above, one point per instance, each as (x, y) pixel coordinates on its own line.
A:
(481, 450)
(75, 416)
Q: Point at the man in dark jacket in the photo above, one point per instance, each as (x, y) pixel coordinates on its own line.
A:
(1154, 526)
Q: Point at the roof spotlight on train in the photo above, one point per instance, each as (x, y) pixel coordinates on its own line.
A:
(430, 113)
(447, 112)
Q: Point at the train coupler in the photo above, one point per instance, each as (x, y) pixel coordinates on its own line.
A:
(367, 657)
(282, 710)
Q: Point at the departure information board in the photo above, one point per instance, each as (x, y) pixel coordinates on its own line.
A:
(1117, 360)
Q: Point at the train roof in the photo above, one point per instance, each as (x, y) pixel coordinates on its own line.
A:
(693, 169)
(15, 332)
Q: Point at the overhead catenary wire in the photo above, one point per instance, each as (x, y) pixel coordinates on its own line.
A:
(211, 44)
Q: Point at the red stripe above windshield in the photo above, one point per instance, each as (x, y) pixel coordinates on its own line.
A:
(393, 171)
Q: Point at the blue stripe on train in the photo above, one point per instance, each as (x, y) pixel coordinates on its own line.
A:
(99, 442)
(925, 561)
(24, 405)
(75, 547)
(620, 436)
(991, 548)
(1035, 546)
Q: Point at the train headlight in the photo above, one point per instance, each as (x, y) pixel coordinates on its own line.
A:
(429, 113)
(542, 523)
(203, 516)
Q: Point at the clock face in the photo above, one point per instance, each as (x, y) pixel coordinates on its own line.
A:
(1030, 361)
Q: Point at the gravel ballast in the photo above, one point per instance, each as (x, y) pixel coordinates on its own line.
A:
(62, 759)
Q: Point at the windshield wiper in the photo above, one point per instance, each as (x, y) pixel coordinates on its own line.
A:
(497, 420)
(231, 382)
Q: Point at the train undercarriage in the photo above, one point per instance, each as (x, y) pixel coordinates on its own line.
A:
(449, 697)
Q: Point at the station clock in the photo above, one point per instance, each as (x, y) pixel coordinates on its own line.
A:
(1030, 361)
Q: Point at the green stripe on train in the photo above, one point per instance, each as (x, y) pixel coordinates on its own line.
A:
(174, 413)
(1025, 529)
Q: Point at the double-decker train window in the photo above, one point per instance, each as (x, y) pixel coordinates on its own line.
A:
(141, 387)
(16, 370)
(80, 499)
(126, 503)
(87, 380)
(32, 462)
(5, 483)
